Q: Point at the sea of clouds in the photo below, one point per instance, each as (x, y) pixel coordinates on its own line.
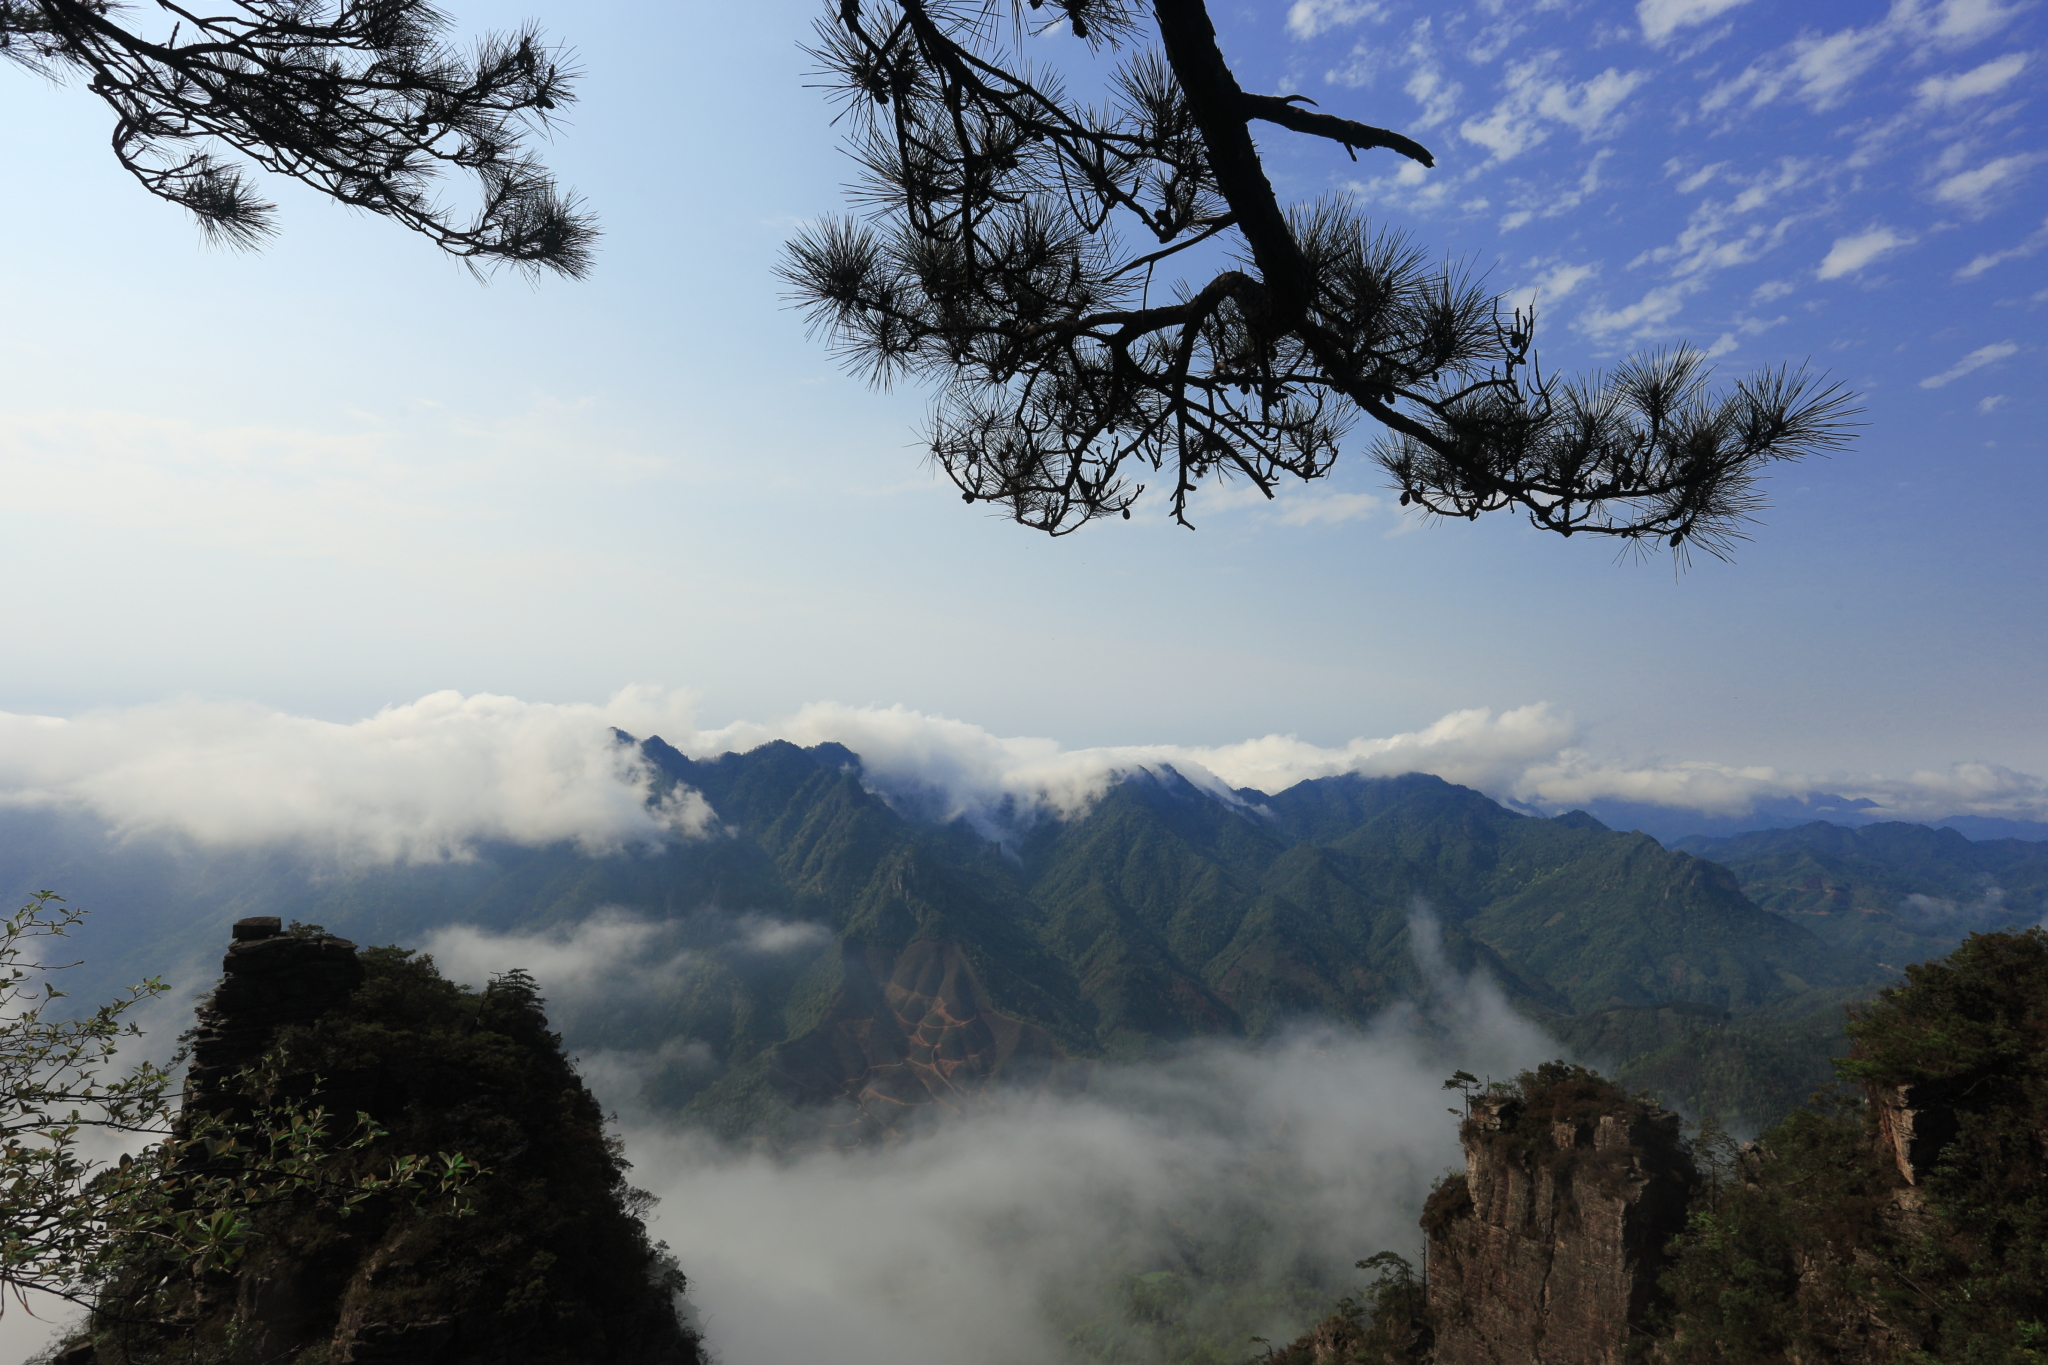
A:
(988, 1234)
(428, 779)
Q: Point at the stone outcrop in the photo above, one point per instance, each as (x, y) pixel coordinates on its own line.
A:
(1546, 1250)
(269, 979)
(1914, 1124)
(396, 1282)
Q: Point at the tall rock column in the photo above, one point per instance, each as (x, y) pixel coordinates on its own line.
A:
(269, 979)
(1546, 1250)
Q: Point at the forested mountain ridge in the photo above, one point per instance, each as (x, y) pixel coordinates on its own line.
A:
(1894, 891)
(827, 941)
(1166, 913)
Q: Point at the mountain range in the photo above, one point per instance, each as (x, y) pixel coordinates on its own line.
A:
(825, 946)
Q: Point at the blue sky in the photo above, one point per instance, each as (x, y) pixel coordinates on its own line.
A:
(339, 474)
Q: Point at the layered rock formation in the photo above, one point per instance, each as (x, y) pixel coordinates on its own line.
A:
(1546, 1251)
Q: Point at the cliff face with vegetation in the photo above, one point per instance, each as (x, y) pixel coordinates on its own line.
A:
(1548, 1247)
(1904, 1226)
(1912, 1226)
(540, 1260)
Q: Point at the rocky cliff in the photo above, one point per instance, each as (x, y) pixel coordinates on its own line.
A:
(543, 1259)
(270, 980)
(1546, 1250)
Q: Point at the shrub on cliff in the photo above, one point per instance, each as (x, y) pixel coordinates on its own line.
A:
(72, 1219)
(549, 1261)
(1386, 1325)
(1912, 1227)
(1519, 1123)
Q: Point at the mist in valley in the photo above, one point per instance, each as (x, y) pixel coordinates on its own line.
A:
(1218, 1192)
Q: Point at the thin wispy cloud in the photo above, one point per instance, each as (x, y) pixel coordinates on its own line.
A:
(1554, 284)
(1976, 189)
(1720, 233)
(1971, 363)
(1990, 260)
(1824, 69)
(1307, 18)
(1329, 509)
(1433, 91)
(1660, 19)
(1963, 21)
(1538, 94)
(1649, 313)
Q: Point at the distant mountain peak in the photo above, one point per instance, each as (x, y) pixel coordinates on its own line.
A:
(1579, 819)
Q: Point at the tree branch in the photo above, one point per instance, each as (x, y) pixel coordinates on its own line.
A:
(1274, 109)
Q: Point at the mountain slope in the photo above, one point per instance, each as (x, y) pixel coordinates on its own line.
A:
(822, 946)
(1894, 893)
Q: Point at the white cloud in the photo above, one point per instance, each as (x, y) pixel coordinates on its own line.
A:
(985, 1234)
(1975, 360)
(1662, 18)
(1437, 95)
(1964, 21)
(1850, 254)
(1575, 779)
(613, 960)
(1822, 70)
(415, 782)
(1536, 94)
(1655, 308)
(1530, 754)
(609, 951)
(1975, 189)
(948, 769)
(1990, 259)
(1991, 404)
(1987, 79)
(1563, 279)
(429, 779)
(1700, 178)
(1719, 233)
(1551, 201)
(1307, 18)
(1553, 284)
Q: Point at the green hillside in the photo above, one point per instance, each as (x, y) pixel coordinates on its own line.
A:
(1888, 894)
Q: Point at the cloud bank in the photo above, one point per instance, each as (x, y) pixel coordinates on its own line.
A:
(429, 779)
(416, 782)
(991, 1235)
